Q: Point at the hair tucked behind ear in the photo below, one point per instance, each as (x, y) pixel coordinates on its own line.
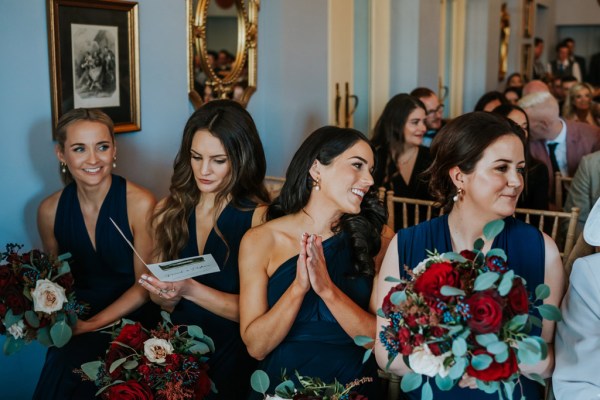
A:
(324, 145)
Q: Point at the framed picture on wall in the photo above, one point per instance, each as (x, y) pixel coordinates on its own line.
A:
(526, 62)
(94, 59)
(528, 14)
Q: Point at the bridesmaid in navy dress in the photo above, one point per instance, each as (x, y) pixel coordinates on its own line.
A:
(477, 176)
(76, 220)
(307, 274)
(216, 189)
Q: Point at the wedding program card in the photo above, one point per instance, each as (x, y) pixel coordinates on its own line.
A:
(177, 270)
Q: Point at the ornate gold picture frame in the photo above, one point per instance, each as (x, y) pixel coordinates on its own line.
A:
(94, 59)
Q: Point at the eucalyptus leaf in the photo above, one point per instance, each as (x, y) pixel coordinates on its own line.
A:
(478, 245)
(538, 378)
(91, 369)
(465, 333)
(458, 369)
(528, 352)
(426, 391)
(501, 357)
(60, 333)
(459, 347)
(486, 339)
(166, 316)
(32, 319)
(64, 268)
(199, 348)
(550, 312)
(64, 256)
(445, 383)
(517, 322)
(361, 340)
(481, 361)
(285, 389)
(497, 253)
(535, 321)
(10, 318)
(509, 388)
(506, 283)
(260, 381)
(493, 228)
(485, 281)
(451, 291)
(367, 355)
(125, 321)
(497, 347)
(195, 331)
(131, 364)
(12, 345)
(392, 279)
(43, 336)
(390, 361)
(116, 364)
(380, 313)
(543, 346)
(488, 387)
(452, 256)
(209, 342)
(410, 382)
(398, 297)
(542, 291)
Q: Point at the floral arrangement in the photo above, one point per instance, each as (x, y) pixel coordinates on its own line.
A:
(37, 301)
(465, 312)
(167, 363)
(311, 388)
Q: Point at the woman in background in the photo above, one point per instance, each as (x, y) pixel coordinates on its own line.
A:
(76, 220)
(307, 274)
(489, 101)
(216, 192)
(477, 177)
(579, 105)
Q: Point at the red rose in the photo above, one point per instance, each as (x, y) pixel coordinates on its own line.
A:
(468, 254)
(66, 281)
(132, 335)
(518, 300)
(3, 310)
(496, 264)
(496, 371)
(130, 390)
(387, 302)
(437, 331)
(430, 282)
(486, 312)
(113, 354)
(7, 278)
(435, 349)
(203, 383)
(16, 301)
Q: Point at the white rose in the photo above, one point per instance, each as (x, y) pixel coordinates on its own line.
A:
(17, 329)
(156, 350)
(48, 296)
(275, 398)
(424, 362)
(421, 267)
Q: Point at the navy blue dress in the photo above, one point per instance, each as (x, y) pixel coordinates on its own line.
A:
(524, 247)
(316, 345)
(101, 276)
(230, 365)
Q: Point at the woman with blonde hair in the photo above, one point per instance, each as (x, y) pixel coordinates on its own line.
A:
(579, 105)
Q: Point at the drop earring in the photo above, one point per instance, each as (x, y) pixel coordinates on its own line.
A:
(114, 162)
(459, 194)
(316, 184)
(63, 167)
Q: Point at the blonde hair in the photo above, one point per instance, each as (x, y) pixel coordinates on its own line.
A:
(568, 110)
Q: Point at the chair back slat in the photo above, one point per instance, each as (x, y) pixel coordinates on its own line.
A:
(407, 204)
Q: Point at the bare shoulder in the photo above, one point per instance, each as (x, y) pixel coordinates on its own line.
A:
(262, 234)
(139, 196)
(259, 216)
(48, 206)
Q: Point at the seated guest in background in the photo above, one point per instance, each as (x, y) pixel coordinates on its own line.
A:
(514, 80)
(594, 72)
(566, 83)
(563, 65)
(585, 188)
(559, 144)
(216, 189)
(535, 86)
(401, 158)
(578, 334)
(76, 220)
(476, 175)
(512, 95)
(535, 191)
(307, 274)
(579, 105)
(570, 42)
(489, 101)
(539, 69)
(434, 110)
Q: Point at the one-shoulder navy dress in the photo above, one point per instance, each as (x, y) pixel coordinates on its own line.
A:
(524, 247)
(316, 345)
(230, 365)
(101, 276)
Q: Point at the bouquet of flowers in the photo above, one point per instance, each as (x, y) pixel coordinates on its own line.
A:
(465, 312)
(166, 363)
(37, 301)
(311, 388)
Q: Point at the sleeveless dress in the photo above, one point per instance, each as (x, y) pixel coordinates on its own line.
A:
(316, 345)
(230, 365)
(101, 276)
(524, 247)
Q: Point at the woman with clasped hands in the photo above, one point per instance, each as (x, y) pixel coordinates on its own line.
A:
(216, 188)
(477, 176)
(307, 274)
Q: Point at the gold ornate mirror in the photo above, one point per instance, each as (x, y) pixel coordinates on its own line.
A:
(222, 49)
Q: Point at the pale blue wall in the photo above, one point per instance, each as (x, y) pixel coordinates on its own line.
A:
(291, 102)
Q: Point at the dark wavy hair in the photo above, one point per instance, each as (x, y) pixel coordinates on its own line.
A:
(488, 98)
(461, 143)
(364, 228)
(228, 121)
(388, 135)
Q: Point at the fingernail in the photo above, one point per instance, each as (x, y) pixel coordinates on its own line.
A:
(141, 280)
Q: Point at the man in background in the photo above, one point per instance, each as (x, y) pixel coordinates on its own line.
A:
(434, 110)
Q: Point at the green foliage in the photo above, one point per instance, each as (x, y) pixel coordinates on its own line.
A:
(542, 291)
(60, 333)
(451, 291)
(550, 312)
(410, 382)
(362, 340)
(492, 229)
(485, 281)
(260, 381)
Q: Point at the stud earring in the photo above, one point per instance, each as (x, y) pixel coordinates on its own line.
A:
(459, 194)
(115, 162)
(63, 167)
(316, 184)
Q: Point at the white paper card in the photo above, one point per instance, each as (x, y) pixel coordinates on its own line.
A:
(177, 270)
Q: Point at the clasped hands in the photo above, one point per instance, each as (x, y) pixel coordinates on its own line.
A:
(169, 291)
(311, 268)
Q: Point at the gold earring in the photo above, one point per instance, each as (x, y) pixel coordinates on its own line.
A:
(63, 167)
(316, 184)
(459, 194)
(115, 162)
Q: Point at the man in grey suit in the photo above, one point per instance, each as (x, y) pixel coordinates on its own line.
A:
(558, 143)
(577, 343)
(585, 188)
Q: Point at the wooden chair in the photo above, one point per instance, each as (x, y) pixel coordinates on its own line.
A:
(564, 239)
(431, 209)
(273, 185)
(562, 185)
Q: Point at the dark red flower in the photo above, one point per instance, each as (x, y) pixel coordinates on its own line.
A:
(430, 282)
(66, 281)
(113, 354)
(387, 302)
(518, 300)
(15, 300)
(435, 349)
(468, 254)
(496, 371)
(132, 335)
(130, 390)
(486, 312)
(3, 310)
(203, 383)
(437, 331)
(7, 278)
(496, 264)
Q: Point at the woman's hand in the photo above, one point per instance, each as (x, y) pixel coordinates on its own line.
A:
(302, 279)
(467, 381)
(165, 294)
(317, 267)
